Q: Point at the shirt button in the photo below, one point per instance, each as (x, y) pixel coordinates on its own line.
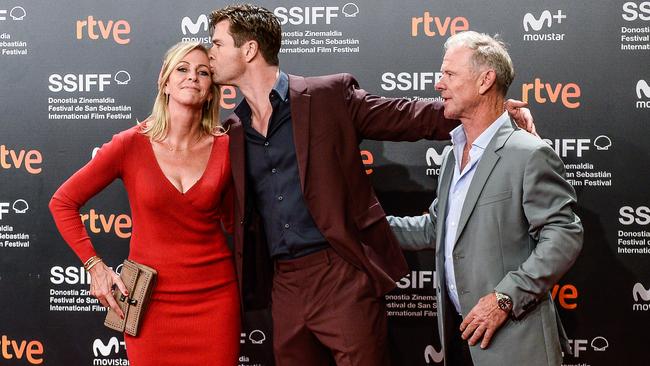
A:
(286, 226)
(280, 198)
(274, 170)
(266, 143)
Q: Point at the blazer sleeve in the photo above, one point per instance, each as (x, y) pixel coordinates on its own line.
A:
(100, 171)
(392, 119)
(548, 203)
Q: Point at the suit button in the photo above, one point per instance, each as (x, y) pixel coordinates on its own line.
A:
(241, 222)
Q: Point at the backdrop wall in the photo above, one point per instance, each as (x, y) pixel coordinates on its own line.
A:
(74, 73)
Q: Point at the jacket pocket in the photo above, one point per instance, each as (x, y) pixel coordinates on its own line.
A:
(492, 198)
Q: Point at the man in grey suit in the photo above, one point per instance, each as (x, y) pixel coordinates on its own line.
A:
(503, 226)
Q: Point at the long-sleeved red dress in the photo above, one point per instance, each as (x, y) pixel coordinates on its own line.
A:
(193, 317)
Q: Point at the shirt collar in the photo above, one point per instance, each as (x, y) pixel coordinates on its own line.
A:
(281, 88)
(458, 134)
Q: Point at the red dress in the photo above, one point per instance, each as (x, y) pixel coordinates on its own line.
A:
(193, 318)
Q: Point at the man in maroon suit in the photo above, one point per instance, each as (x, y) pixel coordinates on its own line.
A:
(311, 238)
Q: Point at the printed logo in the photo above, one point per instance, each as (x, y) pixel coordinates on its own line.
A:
(434, 160)
(20, 206)
(640, 293)
(633, 11)
(30, 160)
(418, 279)
(437, 26)
(16, 13)
(641, 297)
(432, 355)
(72, 83)
(107, 30)
(119, 224)
(578, 346)
(533, 24)
(410, 81)
(191, 28)
(314, 15)
(106, 349)
(568, 94)
(69, 275)
(565, 296)
(643, 93)
(32, 350)
(367, 159)
(629, 215)
(257, 336)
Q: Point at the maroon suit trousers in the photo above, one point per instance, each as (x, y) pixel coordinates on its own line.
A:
(324, 308)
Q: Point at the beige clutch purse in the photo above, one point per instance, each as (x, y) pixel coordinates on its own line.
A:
(139, 280)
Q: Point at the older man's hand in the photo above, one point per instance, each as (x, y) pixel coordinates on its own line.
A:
(522, 116)
(483, 321)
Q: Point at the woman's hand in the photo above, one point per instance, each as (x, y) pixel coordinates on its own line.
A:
(102, 281)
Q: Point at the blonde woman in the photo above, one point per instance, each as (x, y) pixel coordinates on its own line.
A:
(176, 170)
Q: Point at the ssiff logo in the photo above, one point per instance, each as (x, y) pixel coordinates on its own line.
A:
(643, 94)
(16, 13)
(314, 15)
(437, 26)
(641, 297)
(72, 83)
(20, 206)
(96, 29)
(633, 11)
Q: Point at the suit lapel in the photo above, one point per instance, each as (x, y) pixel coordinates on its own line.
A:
(300, 118)
(238, 165)
(483, 171)
(446, 174)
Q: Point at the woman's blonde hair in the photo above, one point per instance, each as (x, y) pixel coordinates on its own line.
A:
(157, 124)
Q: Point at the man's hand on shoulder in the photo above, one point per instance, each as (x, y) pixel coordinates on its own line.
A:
(483, 321)
(521, 115)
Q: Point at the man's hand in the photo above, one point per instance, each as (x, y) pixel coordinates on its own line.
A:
(521, 115)
(483, 321)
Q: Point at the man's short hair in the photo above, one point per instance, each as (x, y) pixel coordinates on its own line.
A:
(488, 51)
(252, 22)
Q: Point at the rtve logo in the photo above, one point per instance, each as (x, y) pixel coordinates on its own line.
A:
(29, 160)
(86, 82)
(105, 349)
(416, 81)
(566, 296)
(32, 350)
(315, 14)
(436, 26)
(109, 29)
(100, 223)
(568, 94)
(639, 294)
(643, 92)
(633, 11)
(190, 28)
(367, 159)
(629, 215)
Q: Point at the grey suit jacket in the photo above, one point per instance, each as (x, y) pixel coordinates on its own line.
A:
(517, 235)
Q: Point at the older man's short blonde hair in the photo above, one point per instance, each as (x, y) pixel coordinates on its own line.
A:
(488, 51)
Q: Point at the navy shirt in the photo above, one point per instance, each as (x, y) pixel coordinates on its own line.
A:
(272, 170)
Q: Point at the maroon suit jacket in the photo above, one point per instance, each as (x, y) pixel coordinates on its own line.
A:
(330, 116)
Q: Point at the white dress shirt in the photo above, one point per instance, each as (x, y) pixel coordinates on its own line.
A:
(458, 190)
